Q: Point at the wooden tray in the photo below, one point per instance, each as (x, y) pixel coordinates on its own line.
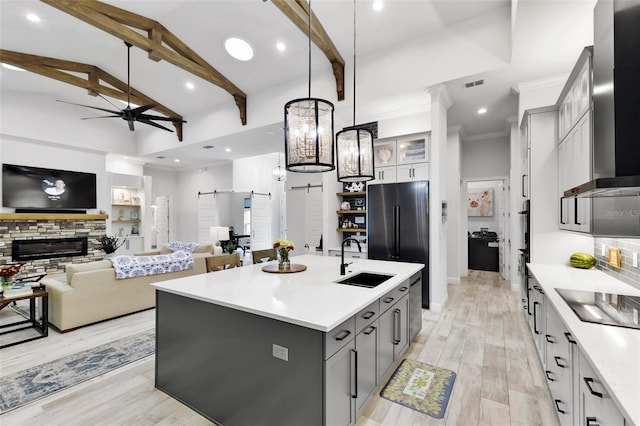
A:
(295, 267)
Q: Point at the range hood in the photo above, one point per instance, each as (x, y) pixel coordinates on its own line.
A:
(616, 102)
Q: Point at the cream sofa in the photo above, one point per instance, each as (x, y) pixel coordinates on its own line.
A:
(89, 292)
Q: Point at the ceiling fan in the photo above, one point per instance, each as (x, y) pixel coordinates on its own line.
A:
(131, 114)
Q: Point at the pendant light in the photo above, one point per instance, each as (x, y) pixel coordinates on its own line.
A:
(354, 146)
(308, 130)
(279, 173)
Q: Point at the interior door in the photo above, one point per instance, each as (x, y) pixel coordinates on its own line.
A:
(208, 216)
(260, 222)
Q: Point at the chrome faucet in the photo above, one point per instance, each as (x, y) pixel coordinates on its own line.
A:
(343, 266)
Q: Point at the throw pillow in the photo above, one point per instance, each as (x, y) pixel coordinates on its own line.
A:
(180, 245)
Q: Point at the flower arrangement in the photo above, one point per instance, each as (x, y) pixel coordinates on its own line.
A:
(110, 244)
(283, 247)
(8, 271)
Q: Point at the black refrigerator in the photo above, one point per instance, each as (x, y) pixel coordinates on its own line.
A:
(398, 225)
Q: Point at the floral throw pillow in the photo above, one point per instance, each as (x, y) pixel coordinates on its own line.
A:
(180, 245)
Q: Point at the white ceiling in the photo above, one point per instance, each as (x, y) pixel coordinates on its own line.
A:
(401, 50)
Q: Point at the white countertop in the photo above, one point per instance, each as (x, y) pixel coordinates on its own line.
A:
(309, 298)
(613, 351)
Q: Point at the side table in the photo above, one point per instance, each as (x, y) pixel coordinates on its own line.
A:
(41, 326)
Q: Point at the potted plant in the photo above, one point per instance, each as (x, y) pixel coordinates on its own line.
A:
(109, 244)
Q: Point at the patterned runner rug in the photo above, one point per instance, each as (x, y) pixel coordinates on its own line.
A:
(37, 382)
(421, 387)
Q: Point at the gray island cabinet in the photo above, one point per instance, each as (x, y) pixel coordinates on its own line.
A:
(246, 347)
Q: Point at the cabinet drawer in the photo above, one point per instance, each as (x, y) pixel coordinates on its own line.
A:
(339, 336)
(389, 299)
(367, 315)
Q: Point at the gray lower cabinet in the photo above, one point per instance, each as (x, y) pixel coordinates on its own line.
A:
(415, 305)
(578, 393)
(340, 371)
(394, 334)
(560, 366)
(367, 366)
(596, 406)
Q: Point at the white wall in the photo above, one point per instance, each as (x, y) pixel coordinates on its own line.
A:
(485, 158)
(440, 102)
(474, 223)
(33, 153)
(453, 207)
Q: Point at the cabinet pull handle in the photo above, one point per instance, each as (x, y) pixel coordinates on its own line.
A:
(342, 335)
(569, 338)
(588, 381)
(535, 320)
(558, 407)
(523, 185)
(549, 339)
(547, 373)
(396, 326)
(575, 219)
(558, 359)
(591, 421)
(404, 288)
(370, 330)
(354, 352)
(368, 315)
(388, 300)
(562, 222)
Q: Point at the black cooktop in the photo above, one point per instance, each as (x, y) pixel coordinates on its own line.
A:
(603, 308)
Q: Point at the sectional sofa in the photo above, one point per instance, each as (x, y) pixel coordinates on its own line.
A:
(89, 292)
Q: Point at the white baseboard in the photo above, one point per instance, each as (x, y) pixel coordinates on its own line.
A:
(438, 307)
(453, 280)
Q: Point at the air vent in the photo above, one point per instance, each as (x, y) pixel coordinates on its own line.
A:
(161, 157)
(208, 147)
(471, 84)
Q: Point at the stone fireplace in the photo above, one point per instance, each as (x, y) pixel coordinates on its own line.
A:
(45, 243)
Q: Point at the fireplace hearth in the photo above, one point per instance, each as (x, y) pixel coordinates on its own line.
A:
(48, 248)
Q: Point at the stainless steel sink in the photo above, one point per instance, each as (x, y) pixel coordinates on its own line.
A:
(365, 279)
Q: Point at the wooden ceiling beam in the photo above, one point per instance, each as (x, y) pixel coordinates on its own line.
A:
(298, 12)
(116, 22)
(61, 70)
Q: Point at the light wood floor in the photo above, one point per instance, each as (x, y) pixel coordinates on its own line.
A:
(481, 335)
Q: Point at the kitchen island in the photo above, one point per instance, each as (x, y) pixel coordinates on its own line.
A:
(245, 347)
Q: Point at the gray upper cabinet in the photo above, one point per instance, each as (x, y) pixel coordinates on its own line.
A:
(575, 150)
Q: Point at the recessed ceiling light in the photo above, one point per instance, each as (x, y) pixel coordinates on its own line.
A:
(238, 48)
(11, 67)
(177, 160)
(482, 110)
(281, 47)
(33, 17)
(190, 85)
(378, 5)
(228, 150)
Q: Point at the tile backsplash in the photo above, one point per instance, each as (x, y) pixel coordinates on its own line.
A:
(627, 272)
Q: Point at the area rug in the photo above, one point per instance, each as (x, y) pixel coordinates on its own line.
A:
(42, 380)
(421, 387)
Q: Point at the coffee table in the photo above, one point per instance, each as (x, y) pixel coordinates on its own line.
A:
(41, 326)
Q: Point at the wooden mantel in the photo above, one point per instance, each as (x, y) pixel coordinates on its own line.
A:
(52, 216)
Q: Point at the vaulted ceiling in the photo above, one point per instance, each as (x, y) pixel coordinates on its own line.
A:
(403, 49)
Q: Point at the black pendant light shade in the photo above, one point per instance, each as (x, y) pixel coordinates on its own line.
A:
(354, 149)
(308, 135)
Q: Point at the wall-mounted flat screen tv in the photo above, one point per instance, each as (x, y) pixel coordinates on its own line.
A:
(26, 187)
